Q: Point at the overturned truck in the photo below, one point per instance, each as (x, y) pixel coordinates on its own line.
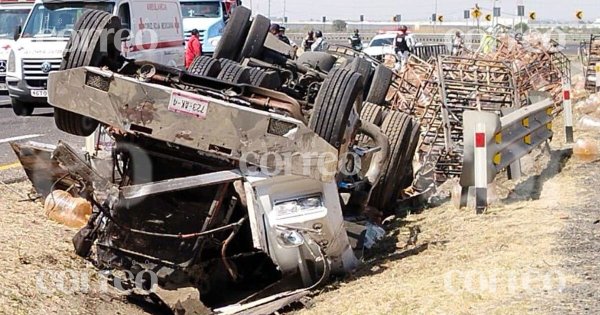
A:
(216, 182)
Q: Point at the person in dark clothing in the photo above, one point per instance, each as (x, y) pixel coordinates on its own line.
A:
(308, 41)
(356, 41)
(276, 30)
(401, 45)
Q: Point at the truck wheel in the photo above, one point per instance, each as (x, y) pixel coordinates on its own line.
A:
(339, 93)
(362, 66)
(205, 66)
(372, 113)
(21, 108)
(234, 34)
(85, 49)
(253, 46)
(234, 73)
(265, 79)
(414, 139)
(397, 127)
(380, 86)
(317, 60)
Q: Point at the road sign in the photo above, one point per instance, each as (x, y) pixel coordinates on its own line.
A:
(397, 18)
(324, 19)
(434, 17)
(476, 13)
(532, 15)
(496, 12)
(467, 14)
(579, 15)
(441, 18)
(362, 18)
(521, 10)
(488, 17)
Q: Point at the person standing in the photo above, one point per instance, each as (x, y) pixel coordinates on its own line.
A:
(356, 41)
(401, 45)
(458, 44)
(308, 41)
(320, 44)
(276, 30)
(193, 49)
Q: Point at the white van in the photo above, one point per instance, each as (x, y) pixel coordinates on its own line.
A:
(13, 14)
(156, 35)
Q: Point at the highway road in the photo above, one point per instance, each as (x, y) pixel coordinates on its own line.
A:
(39, 127)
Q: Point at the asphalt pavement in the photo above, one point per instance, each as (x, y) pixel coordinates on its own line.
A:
(39, 128)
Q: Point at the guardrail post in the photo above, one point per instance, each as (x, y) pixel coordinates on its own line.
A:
(568, 110)
(480, 163)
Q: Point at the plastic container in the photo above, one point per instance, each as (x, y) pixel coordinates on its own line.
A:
(587, 122)
(71, 211)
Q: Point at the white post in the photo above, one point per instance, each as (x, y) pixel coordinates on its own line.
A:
(480, 164)
(568, 110)
(597, 76)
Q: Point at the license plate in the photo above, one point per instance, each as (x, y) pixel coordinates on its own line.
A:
(188, 103)
(39, 93)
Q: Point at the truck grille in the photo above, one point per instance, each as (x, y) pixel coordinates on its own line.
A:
(200, 36)
(33, 74)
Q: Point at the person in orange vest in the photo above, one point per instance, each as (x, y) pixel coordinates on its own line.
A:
(193, 49)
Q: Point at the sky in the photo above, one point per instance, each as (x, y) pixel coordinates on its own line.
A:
(411, 10)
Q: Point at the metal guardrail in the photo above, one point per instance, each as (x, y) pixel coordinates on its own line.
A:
(428, 51)
(507, 139)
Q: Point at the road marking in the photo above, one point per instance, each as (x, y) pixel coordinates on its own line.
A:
(20, 138)
(5, 167)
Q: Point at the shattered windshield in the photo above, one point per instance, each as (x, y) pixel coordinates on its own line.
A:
(58, 20)
(200, 9)
(11, 18)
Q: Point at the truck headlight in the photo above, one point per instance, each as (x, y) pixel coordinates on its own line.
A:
(297, 207)
(11, 66)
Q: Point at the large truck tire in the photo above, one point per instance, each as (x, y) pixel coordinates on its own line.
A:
(397, 127)
(234, 73)
(265, 79)
(234, 34)
(372, 113)
(84, 48)
(317, 60)
(380, 85)
(339, 94)
(254, 44)
(21, 108)
(205, 66)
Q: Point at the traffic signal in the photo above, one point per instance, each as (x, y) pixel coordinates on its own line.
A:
(532, 15)
(579, 15)
(488, 17)
(441, 18)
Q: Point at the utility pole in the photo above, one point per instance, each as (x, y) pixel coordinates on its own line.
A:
(269, 11)
(284, 16)
(495, 18)
(436, 15)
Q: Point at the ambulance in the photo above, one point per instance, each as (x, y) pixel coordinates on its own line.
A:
(209, 18)
(155, 35)
(13, 14)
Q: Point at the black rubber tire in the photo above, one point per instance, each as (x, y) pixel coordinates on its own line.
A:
(21, 108)
(335, 101)
(234, 73)
(372, 113)
(414, 138)
(85, 49)
(253, 47)
(317, 60)
(380, 86)
(205, 66)
(397, 127)
(362, 66)
(265, 79)
(234, 34)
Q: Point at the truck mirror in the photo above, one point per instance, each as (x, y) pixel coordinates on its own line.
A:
(17, 33)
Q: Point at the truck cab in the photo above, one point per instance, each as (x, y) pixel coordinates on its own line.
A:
(209, 18)
(155, 35)
(13, 14)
